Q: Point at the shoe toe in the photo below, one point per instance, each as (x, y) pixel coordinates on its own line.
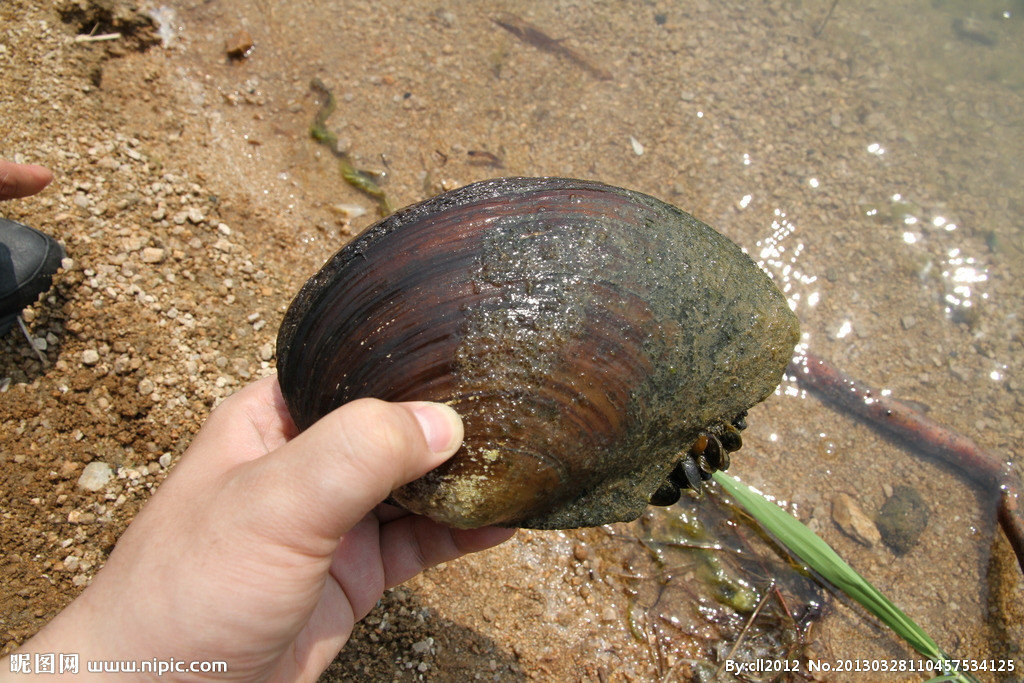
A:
(28, 260)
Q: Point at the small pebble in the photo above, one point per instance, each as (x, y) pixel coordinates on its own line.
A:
(349, 210)
(79, 517)
(90, 357)
(902, 519)
(146, 386)
(95, 476)
(849, 517)
(446, 17)
(974, 30)
(153, 255)
(238, 45)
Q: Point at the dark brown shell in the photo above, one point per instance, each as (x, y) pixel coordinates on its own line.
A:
(586, 334)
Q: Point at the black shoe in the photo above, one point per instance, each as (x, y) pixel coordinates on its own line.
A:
(28, 260)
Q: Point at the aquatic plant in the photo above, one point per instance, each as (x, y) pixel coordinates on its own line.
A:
(820, 557)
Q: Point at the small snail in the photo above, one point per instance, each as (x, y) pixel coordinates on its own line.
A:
(588, 336)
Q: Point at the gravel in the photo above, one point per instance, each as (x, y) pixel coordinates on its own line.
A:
(95, 476)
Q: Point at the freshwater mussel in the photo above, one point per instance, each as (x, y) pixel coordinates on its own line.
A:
(601, 346)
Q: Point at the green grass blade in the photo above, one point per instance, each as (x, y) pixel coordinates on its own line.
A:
(820, 557)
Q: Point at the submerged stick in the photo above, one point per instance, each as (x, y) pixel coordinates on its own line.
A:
(824, 22)
(987, 472)
(528, 33)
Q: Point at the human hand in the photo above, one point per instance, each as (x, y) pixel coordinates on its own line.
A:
(22, 180)
(263, 548)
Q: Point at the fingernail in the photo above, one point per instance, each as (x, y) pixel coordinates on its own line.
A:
(441, 426)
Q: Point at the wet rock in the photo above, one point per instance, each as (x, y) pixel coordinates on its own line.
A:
(974, 30)
(580, 552)
(849, 517)
(95, 476)
(238, 45)
(902, 519)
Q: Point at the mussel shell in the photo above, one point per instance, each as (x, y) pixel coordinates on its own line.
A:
(585, 333)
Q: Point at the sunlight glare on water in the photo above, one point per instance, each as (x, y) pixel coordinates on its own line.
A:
(781, 260)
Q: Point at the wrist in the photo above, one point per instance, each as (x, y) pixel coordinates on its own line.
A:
(65, 647)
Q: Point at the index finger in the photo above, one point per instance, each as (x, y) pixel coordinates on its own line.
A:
(22, 180)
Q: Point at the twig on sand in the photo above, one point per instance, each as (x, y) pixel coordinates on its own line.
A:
(32, 343)
(987, 472)
(87, 38)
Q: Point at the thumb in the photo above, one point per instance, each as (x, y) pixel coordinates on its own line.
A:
(317, 486)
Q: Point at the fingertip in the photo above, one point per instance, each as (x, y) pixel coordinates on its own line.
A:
(441, 425)
(41, 176)
(22, 180)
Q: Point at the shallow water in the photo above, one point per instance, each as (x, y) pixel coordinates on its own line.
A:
(868, 158)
